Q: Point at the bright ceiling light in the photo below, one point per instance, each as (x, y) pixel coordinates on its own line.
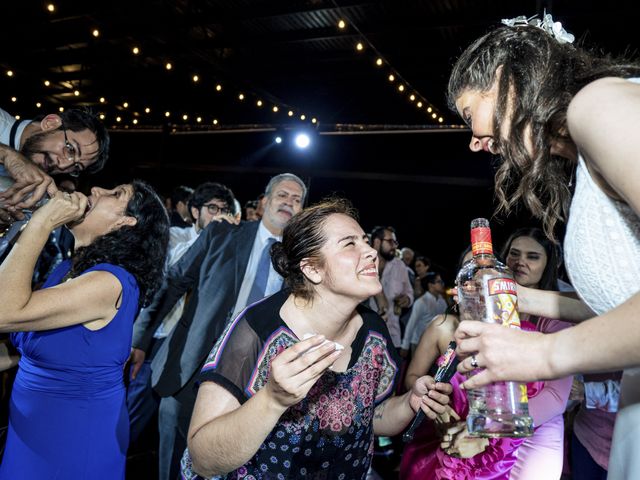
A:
(302, 140)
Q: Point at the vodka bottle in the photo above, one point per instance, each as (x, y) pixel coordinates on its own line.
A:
(487, 292)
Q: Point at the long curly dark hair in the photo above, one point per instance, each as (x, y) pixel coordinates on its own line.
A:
(140, 249)
(541, 76)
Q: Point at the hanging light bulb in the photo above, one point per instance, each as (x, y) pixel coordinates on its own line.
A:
(379, 62)
(275, 108)
(185, 116)
(290, 113)
(95, 33)
(9, 73)
(14, 99)
(391, 77)
(118, 119)
(419, 104)
(314, 120)
(102, 116)
(218, 87)
(168, 66)
(51, 7)
(341, 24)
(38, 104)
(303, 117)
(102, 100)
(135, 50)
(440, 119)
(47, 83)
(401, 88)
(198, 119)
(359, 46)
(167, 114)
(196, 79)
(412, 97)
(125, 104)
(215, 121)
(429, 109)
(135, 121)
(147, 110)
(259, 103)
(17, 117)
(61, 109)
(241, 96)
(76, 93)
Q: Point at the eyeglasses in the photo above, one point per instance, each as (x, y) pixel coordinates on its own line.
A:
(391, 241)
(70, 153)
(214, 209)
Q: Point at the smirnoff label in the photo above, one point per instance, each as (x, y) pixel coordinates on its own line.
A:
(502, 285)
(481, 241)
(502, 301)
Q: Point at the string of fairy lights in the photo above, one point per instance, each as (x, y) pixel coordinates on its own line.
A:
(393, 76)
(121, 113)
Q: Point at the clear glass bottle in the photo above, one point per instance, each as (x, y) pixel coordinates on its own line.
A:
(487, 292)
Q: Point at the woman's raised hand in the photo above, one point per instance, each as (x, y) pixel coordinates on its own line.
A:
(295, 370)
(61, 209)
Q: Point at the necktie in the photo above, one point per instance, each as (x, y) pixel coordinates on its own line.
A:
(259, 287)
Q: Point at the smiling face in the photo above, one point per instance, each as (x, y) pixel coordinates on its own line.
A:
(105, 213)
(284, 201)
(527, 259)
(349, 264)
(49, 150)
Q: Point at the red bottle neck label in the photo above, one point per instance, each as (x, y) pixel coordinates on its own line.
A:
(481, 241)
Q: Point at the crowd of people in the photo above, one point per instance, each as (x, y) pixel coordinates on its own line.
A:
(280, 340)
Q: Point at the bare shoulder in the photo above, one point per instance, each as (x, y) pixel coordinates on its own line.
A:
(444, 325)
(596, 101)
(603, 120)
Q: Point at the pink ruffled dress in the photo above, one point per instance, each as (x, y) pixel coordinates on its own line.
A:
(423, 457)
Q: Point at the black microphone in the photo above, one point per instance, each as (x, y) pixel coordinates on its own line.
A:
(443, 375)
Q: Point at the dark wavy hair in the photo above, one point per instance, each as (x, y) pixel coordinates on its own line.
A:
(541, 77)
(549, 278)
(140, 249)
(302, 238)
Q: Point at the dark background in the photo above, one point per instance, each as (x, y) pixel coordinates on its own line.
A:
(371, 143)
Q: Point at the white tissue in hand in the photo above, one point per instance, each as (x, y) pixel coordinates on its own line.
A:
(309, 335)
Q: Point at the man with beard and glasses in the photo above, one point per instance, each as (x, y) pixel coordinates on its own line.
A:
(227, 268)
(71, 142)
(396, 288)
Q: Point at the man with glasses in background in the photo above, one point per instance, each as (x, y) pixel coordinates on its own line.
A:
(71, 142)
(397, 292)
(209, 202)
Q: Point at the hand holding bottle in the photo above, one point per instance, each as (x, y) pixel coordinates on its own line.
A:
(31, 183)
(61, 209)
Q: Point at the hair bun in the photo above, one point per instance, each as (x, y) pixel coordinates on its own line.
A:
(279, 260)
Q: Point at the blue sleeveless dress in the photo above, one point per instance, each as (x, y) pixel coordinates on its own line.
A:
(68, 418)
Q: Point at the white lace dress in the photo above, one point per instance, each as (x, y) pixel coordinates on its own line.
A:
(602, 255)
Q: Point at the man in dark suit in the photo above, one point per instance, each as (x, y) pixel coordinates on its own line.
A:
(226, 269)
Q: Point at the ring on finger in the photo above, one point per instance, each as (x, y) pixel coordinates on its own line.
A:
(474, 361)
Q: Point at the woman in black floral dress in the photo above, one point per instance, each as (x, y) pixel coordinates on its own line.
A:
(280, 396)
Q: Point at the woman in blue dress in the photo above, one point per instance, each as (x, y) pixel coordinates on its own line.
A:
(68, 417)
